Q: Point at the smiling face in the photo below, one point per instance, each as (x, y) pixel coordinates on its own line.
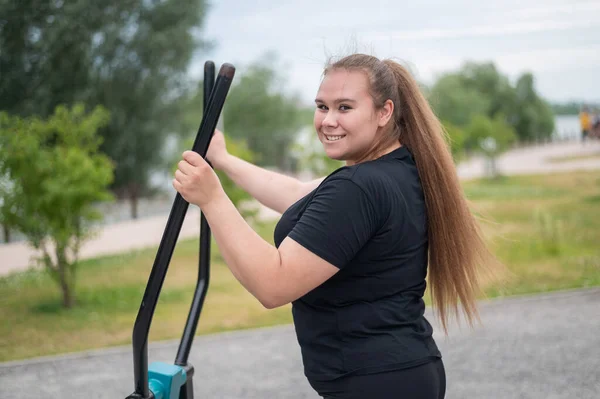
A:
(346, 119)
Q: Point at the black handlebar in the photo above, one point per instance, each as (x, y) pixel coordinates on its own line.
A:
(189, 331)
(167, 245)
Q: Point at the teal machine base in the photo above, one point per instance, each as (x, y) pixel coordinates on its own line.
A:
(165, 380)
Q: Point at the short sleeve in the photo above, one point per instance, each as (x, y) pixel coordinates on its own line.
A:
(337, 222)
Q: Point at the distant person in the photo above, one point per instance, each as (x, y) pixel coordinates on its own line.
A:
(585, 121)
(353, 250)
(595, 130)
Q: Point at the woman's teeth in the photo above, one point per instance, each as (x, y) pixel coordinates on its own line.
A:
(334, 138)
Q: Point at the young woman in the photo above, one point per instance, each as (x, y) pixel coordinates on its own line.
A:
(353, 249)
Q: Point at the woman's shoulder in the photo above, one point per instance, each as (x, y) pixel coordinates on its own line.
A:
(367, 176)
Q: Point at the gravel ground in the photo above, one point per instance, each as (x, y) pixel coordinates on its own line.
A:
(534, 347)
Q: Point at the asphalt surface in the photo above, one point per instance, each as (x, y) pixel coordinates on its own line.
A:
(537, 347)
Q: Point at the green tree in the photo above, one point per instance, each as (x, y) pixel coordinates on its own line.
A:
(131, 57)
(259, 111)
(45, 53)
(456, 103)
(534, 118)
(141, 75)
(480, 89)
(56, 174)
(456, 138)
(485, 79)
(490, 137)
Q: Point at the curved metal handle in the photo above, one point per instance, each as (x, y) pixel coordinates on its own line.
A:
(170, 235)
(189, 331)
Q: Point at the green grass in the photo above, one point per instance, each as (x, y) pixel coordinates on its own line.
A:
(545, 229)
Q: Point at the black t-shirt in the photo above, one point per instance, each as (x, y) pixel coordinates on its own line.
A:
(370, 221)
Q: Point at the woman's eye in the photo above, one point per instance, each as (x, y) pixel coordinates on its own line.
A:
(323, 107)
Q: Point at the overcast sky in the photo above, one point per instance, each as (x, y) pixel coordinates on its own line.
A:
(557, 40)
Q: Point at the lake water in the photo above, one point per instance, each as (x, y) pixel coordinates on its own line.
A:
(567, 127)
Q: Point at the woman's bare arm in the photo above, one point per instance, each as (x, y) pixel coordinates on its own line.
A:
(274, 190)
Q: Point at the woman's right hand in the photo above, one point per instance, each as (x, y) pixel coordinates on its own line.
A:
(217, 150)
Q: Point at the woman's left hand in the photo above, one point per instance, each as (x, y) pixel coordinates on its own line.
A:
(196, 181)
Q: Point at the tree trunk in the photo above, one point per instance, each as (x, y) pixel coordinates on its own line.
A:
(133, 200)
(6, 232)
(66, 289)
(65, 279)
(493, 167)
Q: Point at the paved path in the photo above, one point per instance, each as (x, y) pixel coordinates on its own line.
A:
(147, 232)
(538, 160)
(539, 347)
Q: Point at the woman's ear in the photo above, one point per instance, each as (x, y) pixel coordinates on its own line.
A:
(385, 113)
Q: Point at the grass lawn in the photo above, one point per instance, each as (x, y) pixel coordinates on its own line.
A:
(546, 229)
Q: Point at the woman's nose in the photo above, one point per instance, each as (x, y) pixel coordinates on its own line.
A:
(330, 119)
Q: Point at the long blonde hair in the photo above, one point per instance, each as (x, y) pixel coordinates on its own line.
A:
(457, 250)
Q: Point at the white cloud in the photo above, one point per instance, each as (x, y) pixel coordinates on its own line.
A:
(483, 30)
(558, 9)
(548, 37)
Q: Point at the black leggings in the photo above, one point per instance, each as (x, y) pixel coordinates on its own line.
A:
(427, 381)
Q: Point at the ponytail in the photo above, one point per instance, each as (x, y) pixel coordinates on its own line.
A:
(458, 254)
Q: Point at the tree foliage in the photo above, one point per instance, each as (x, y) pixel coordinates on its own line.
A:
(259, 110)
(55, 174)
(480, 89)
(131, 57)
(490, 137)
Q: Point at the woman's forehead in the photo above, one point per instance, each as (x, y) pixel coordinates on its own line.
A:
(341, 83)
